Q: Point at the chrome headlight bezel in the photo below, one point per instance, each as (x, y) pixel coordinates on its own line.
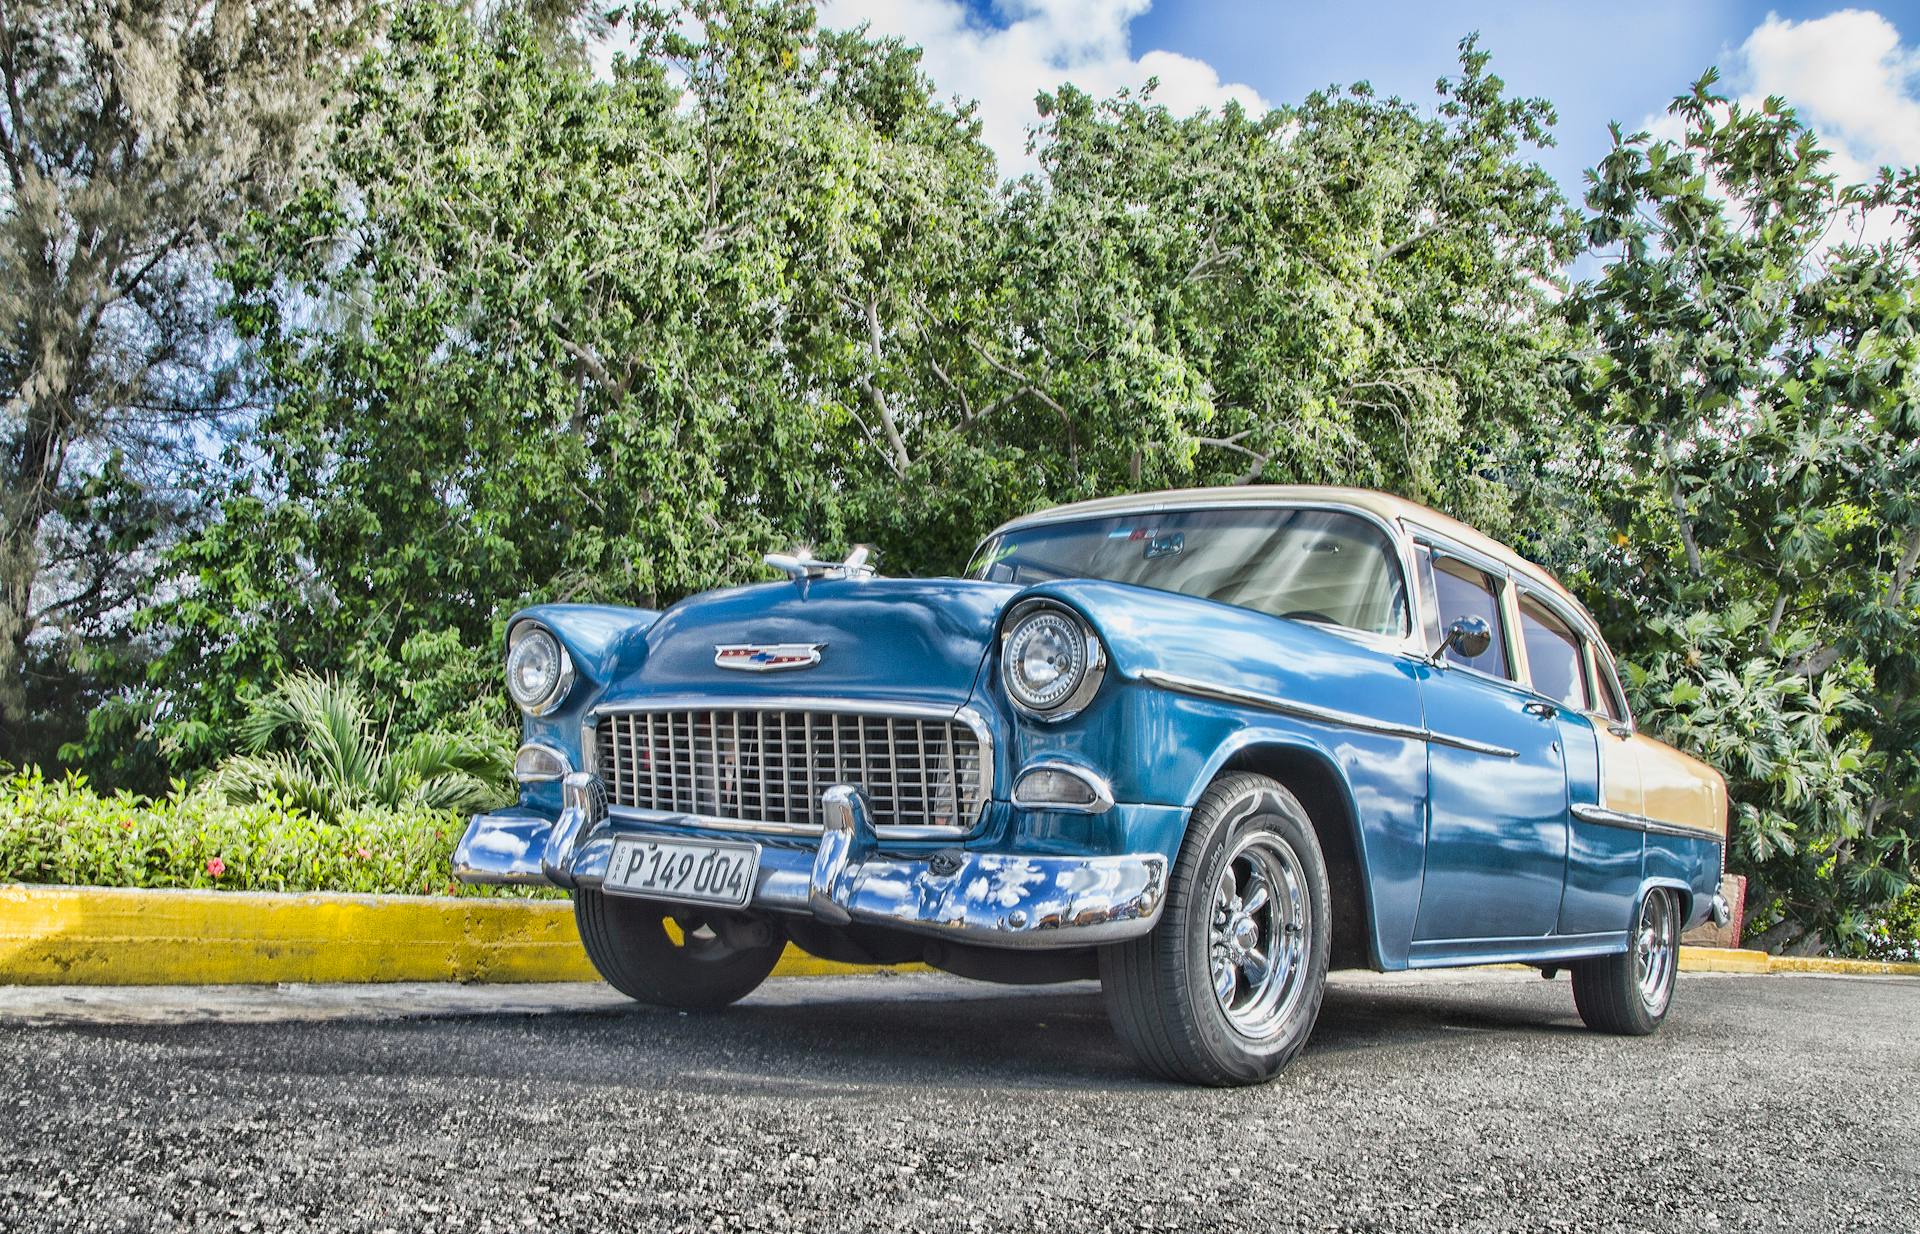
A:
(561, 683)
(1089, 670)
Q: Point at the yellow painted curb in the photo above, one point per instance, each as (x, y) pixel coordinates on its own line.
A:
(1722, 960)
(115, 936)
(1727, 960)
(1827, 964)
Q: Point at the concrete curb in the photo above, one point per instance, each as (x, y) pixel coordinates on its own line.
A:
(116, 936)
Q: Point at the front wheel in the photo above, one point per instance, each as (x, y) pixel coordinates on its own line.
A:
(705, 961)
(1629, 994)
(1227, 986)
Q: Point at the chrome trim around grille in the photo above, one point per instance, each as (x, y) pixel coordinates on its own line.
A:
(690, 733)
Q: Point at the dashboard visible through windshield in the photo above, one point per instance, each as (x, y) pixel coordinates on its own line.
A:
(1325, 566)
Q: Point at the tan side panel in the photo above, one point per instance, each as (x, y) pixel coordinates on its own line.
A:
(1679, 789)
(1619, 773)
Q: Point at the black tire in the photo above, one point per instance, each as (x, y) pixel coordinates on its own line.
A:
(718, 961)
(1160, 988)
(1630, 994)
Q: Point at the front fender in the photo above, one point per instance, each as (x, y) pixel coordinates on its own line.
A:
(605, 643)
(1198, 687)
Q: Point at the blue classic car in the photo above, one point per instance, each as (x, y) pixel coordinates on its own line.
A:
(1201, 745)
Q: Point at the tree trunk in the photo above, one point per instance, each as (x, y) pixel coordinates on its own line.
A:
(19, 564)
(1776, 937)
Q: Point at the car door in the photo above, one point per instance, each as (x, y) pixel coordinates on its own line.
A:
(1496, 851)
(1604, 861)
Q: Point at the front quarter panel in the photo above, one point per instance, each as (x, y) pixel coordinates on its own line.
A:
(1355, 712)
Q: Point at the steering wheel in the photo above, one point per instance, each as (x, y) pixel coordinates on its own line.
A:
(1307, 614)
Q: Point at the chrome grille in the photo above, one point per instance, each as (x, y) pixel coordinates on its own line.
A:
(768, 768)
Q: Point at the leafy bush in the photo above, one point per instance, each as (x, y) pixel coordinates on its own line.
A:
(61, 831)
(313, 743)
(1896, 936)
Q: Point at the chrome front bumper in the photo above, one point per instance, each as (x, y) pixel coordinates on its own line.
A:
(994, 899)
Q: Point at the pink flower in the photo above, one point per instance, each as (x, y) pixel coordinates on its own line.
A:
(216, 867)
(363, 853)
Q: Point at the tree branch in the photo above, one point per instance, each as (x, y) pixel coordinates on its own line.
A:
(902, 462)
(1680, 508)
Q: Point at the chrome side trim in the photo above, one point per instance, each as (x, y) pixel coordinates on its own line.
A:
(1319, 715)
(1588, 813)
(973, 719)
(1096, 783)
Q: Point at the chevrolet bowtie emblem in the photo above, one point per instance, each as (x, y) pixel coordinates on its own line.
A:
(767, 657)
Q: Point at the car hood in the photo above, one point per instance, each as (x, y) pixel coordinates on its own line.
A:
(909, 640)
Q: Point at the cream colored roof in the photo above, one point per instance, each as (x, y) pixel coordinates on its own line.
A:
(1385, 506)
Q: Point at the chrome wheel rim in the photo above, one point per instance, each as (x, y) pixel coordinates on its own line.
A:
(1656, 950)
(1258, 943)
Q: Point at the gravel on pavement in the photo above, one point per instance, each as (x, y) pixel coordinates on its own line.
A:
(1458, 1101)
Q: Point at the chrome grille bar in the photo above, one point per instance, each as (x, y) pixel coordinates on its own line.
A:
(925, 772)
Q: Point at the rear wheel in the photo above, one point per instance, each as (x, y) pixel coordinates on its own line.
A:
(706, 960)
(1629, 994)
(1227, 986)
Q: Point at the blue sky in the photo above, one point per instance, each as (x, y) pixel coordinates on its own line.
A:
(1851, 70)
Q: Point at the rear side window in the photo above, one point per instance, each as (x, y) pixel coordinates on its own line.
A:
(1553, 655)
(1459, 590)
(1607, 687)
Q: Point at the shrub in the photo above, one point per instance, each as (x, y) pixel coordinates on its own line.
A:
(61, 831)
(1896, 936)
(314, 743)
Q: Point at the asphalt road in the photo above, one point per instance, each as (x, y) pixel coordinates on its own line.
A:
(1465, 1101)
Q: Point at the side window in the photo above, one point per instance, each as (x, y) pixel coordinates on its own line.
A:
(1553, 654)
(1459, 590)
(1607, 687)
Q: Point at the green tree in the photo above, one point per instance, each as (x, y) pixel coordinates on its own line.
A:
(1753, 392)
(531, 333)
(132, 134)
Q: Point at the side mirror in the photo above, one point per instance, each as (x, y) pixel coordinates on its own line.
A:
(1469, 636)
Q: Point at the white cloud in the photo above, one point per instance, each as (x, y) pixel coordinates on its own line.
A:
(1849, 76)
(1041, 44)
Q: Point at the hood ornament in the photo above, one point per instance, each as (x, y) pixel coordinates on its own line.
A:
(801, 564)
(767, 657)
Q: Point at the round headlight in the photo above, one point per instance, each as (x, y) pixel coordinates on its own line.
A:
(539, 670)
(1051, 662)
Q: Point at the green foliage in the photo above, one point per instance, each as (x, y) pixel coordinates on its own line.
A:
(1752, 389)
(313, 743)
(1896, 934)
(61, 831)
(134, 136)
(532, 334)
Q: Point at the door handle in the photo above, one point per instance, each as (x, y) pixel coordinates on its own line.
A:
(1620, 730)
(1546, 711)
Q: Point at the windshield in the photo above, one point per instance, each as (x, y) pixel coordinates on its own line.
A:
(1311, 565)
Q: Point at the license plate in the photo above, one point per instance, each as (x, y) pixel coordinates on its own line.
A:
(704, 871)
